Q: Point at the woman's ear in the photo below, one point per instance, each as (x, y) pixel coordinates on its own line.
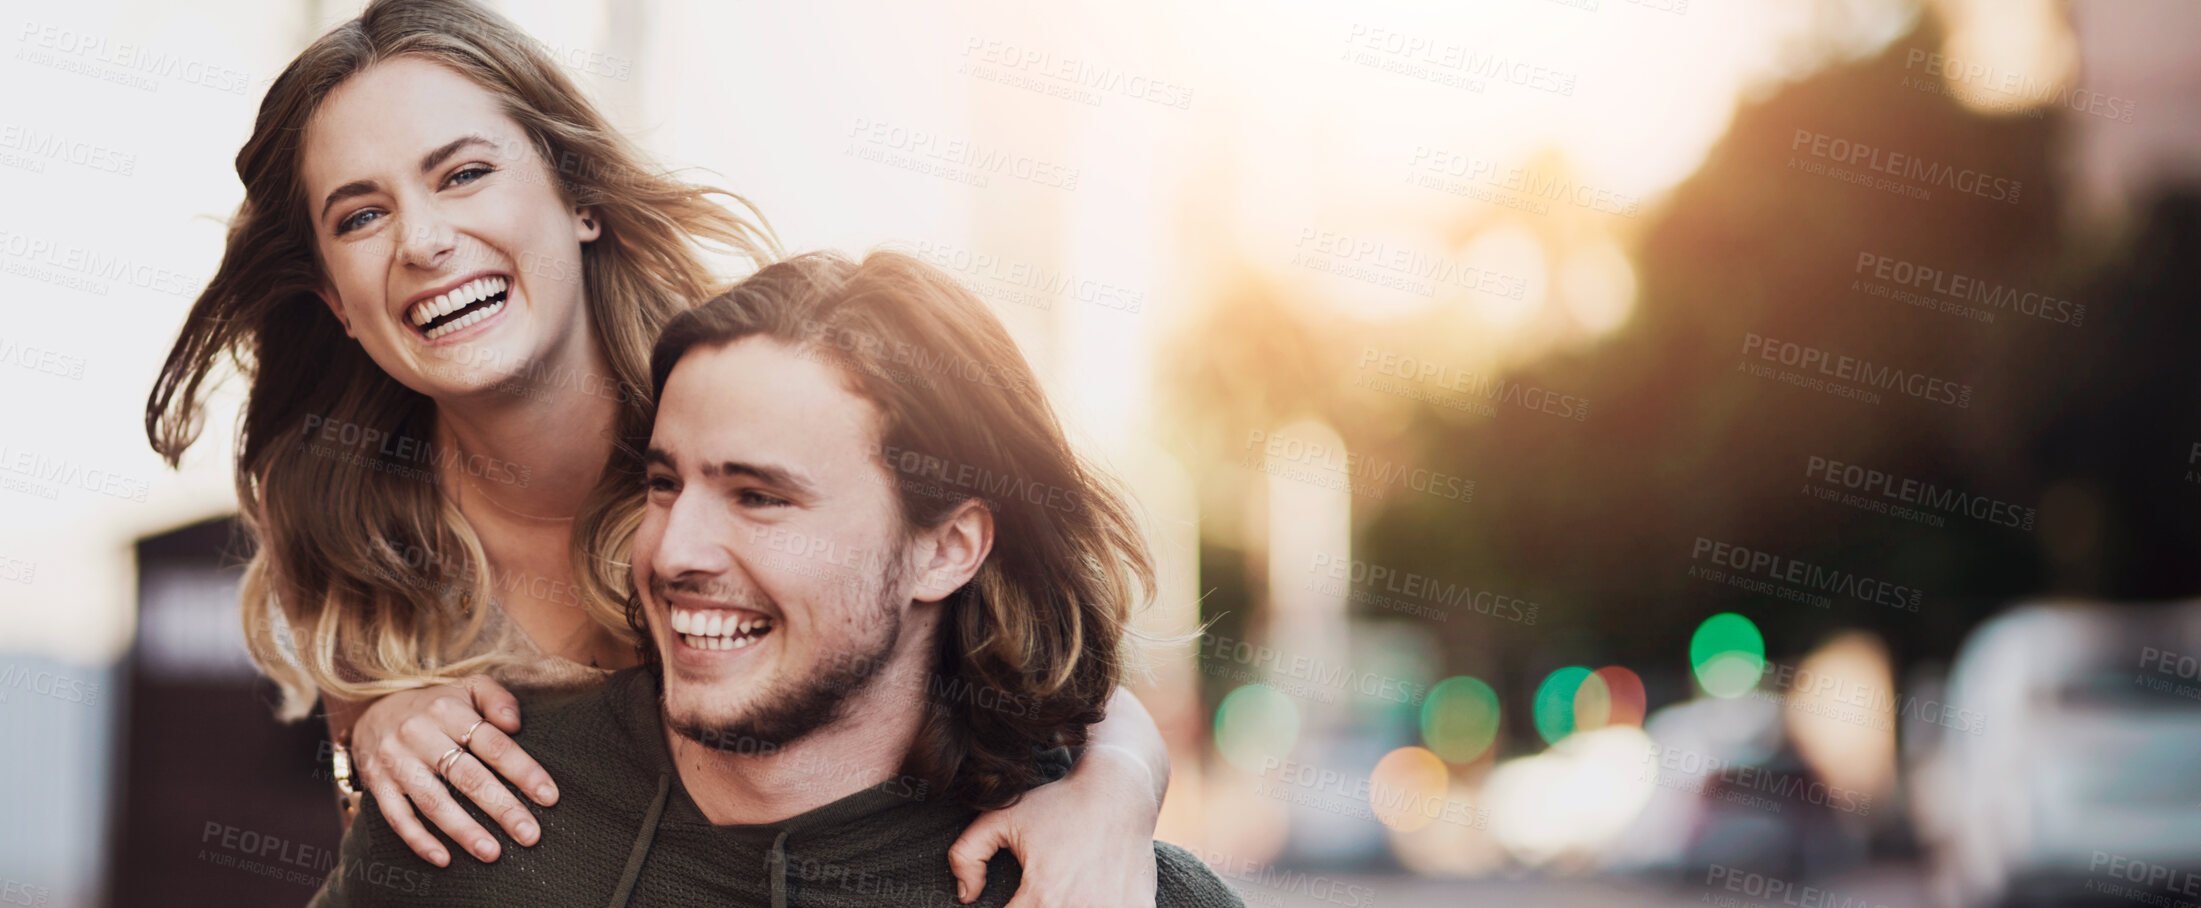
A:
(336, 308)
(959, 548)
(586, 227)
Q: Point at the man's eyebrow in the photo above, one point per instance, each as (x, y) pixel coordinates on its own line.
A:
(777, 477)
(428, 162)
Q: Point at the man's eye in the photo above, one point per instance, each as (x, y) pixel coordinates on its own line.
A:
(354, 221)
(661, 484)
(760, 499)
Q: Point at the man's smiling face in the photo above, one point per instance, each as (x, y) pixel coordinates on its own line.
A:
(770, 557)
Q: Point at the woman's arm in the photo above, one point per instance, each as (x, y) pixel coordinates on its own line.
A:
(1089, 838)
(396, 740)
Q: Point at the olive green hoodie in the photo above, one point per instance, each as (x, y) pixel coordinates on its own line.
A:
(625, 833)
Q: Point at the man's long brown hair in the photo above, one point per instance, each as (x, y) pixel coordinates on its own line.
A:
(1030, 650)
(365, 578)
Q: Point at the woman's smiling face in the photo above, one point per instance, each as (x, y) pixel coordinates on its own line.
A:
(448, 250)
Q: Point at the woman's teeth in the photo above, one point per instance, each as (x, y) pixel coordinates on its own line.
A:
(450, 312)
(714, 629)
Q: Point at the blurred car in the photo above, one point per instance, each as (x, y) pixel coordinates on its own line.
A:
(2075, 774)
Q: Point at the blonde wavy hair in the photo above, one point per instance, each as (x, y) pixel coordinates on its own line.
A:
(364, 578)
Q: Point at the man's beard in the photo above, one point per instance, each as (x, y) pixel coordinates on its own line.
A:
(795, 708)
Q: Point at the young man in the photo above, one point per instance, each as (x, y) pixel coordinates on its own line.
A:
(876, 592)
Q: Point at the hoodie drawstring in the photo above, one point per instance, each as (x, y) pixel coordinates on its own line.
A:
(642, 840)
(777, 861)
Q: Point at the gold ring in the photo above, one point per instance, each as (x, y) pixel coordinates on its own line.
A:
(467, 740)
(443, 763)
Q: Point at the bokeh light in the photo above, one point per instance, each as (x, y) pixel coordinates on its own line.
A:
(1407, 788)
(1254, 725)
(1459, 719)
(1727, 654)
(1612, 695)
(1553, 708)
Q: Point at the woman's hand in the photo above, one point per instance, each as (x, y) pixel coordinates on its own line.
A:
(1085, 840)
(400, 737)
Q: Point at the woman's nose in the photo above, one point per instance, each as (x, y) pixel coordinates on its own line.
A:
(427, 239)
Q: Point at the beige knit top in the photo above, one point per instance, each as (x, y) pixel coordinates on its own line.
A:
(531, 668)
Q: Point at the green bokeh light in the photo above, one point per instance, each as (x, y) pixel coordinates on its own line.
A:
(1728, 655)
(1554, 705)
(1255, 724)
(1459, 719)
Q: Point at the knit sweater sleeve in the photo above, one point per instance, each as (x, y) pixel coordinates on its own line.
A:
(1182, 881)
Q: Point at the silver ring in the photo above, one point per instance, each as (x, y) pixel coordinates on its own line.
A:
(443, 763)
(466, 741)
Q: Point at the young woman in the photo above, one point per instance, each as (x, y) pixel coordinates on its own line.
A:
(443, 285)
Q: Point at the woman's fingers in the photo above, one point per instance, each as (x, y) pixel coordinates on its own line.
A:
(435, 802)
(977, 845)
(493, 701)
(399, 813)
(477, 782)
(499, 752)
(426, 739)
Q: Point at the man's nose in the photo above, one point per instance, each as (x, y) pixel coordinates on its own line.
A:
(697, 539)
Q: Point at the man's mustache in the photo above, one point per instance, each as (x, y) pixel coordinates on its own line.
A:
(714, 590)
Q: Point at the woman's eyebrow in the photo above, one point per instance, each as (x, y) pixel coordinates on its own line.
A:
(428, 162)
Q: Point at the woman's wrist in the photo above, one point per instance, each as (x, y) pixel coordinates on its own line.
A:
(1129, 763)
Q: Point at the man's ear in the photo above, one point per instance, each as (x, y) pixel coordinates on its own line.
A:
(959, 547)
(336, 308)
(586, 225)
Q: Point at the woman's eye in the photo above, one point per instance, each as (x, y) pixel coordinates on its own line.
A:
(354, 221)
(469, 174)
